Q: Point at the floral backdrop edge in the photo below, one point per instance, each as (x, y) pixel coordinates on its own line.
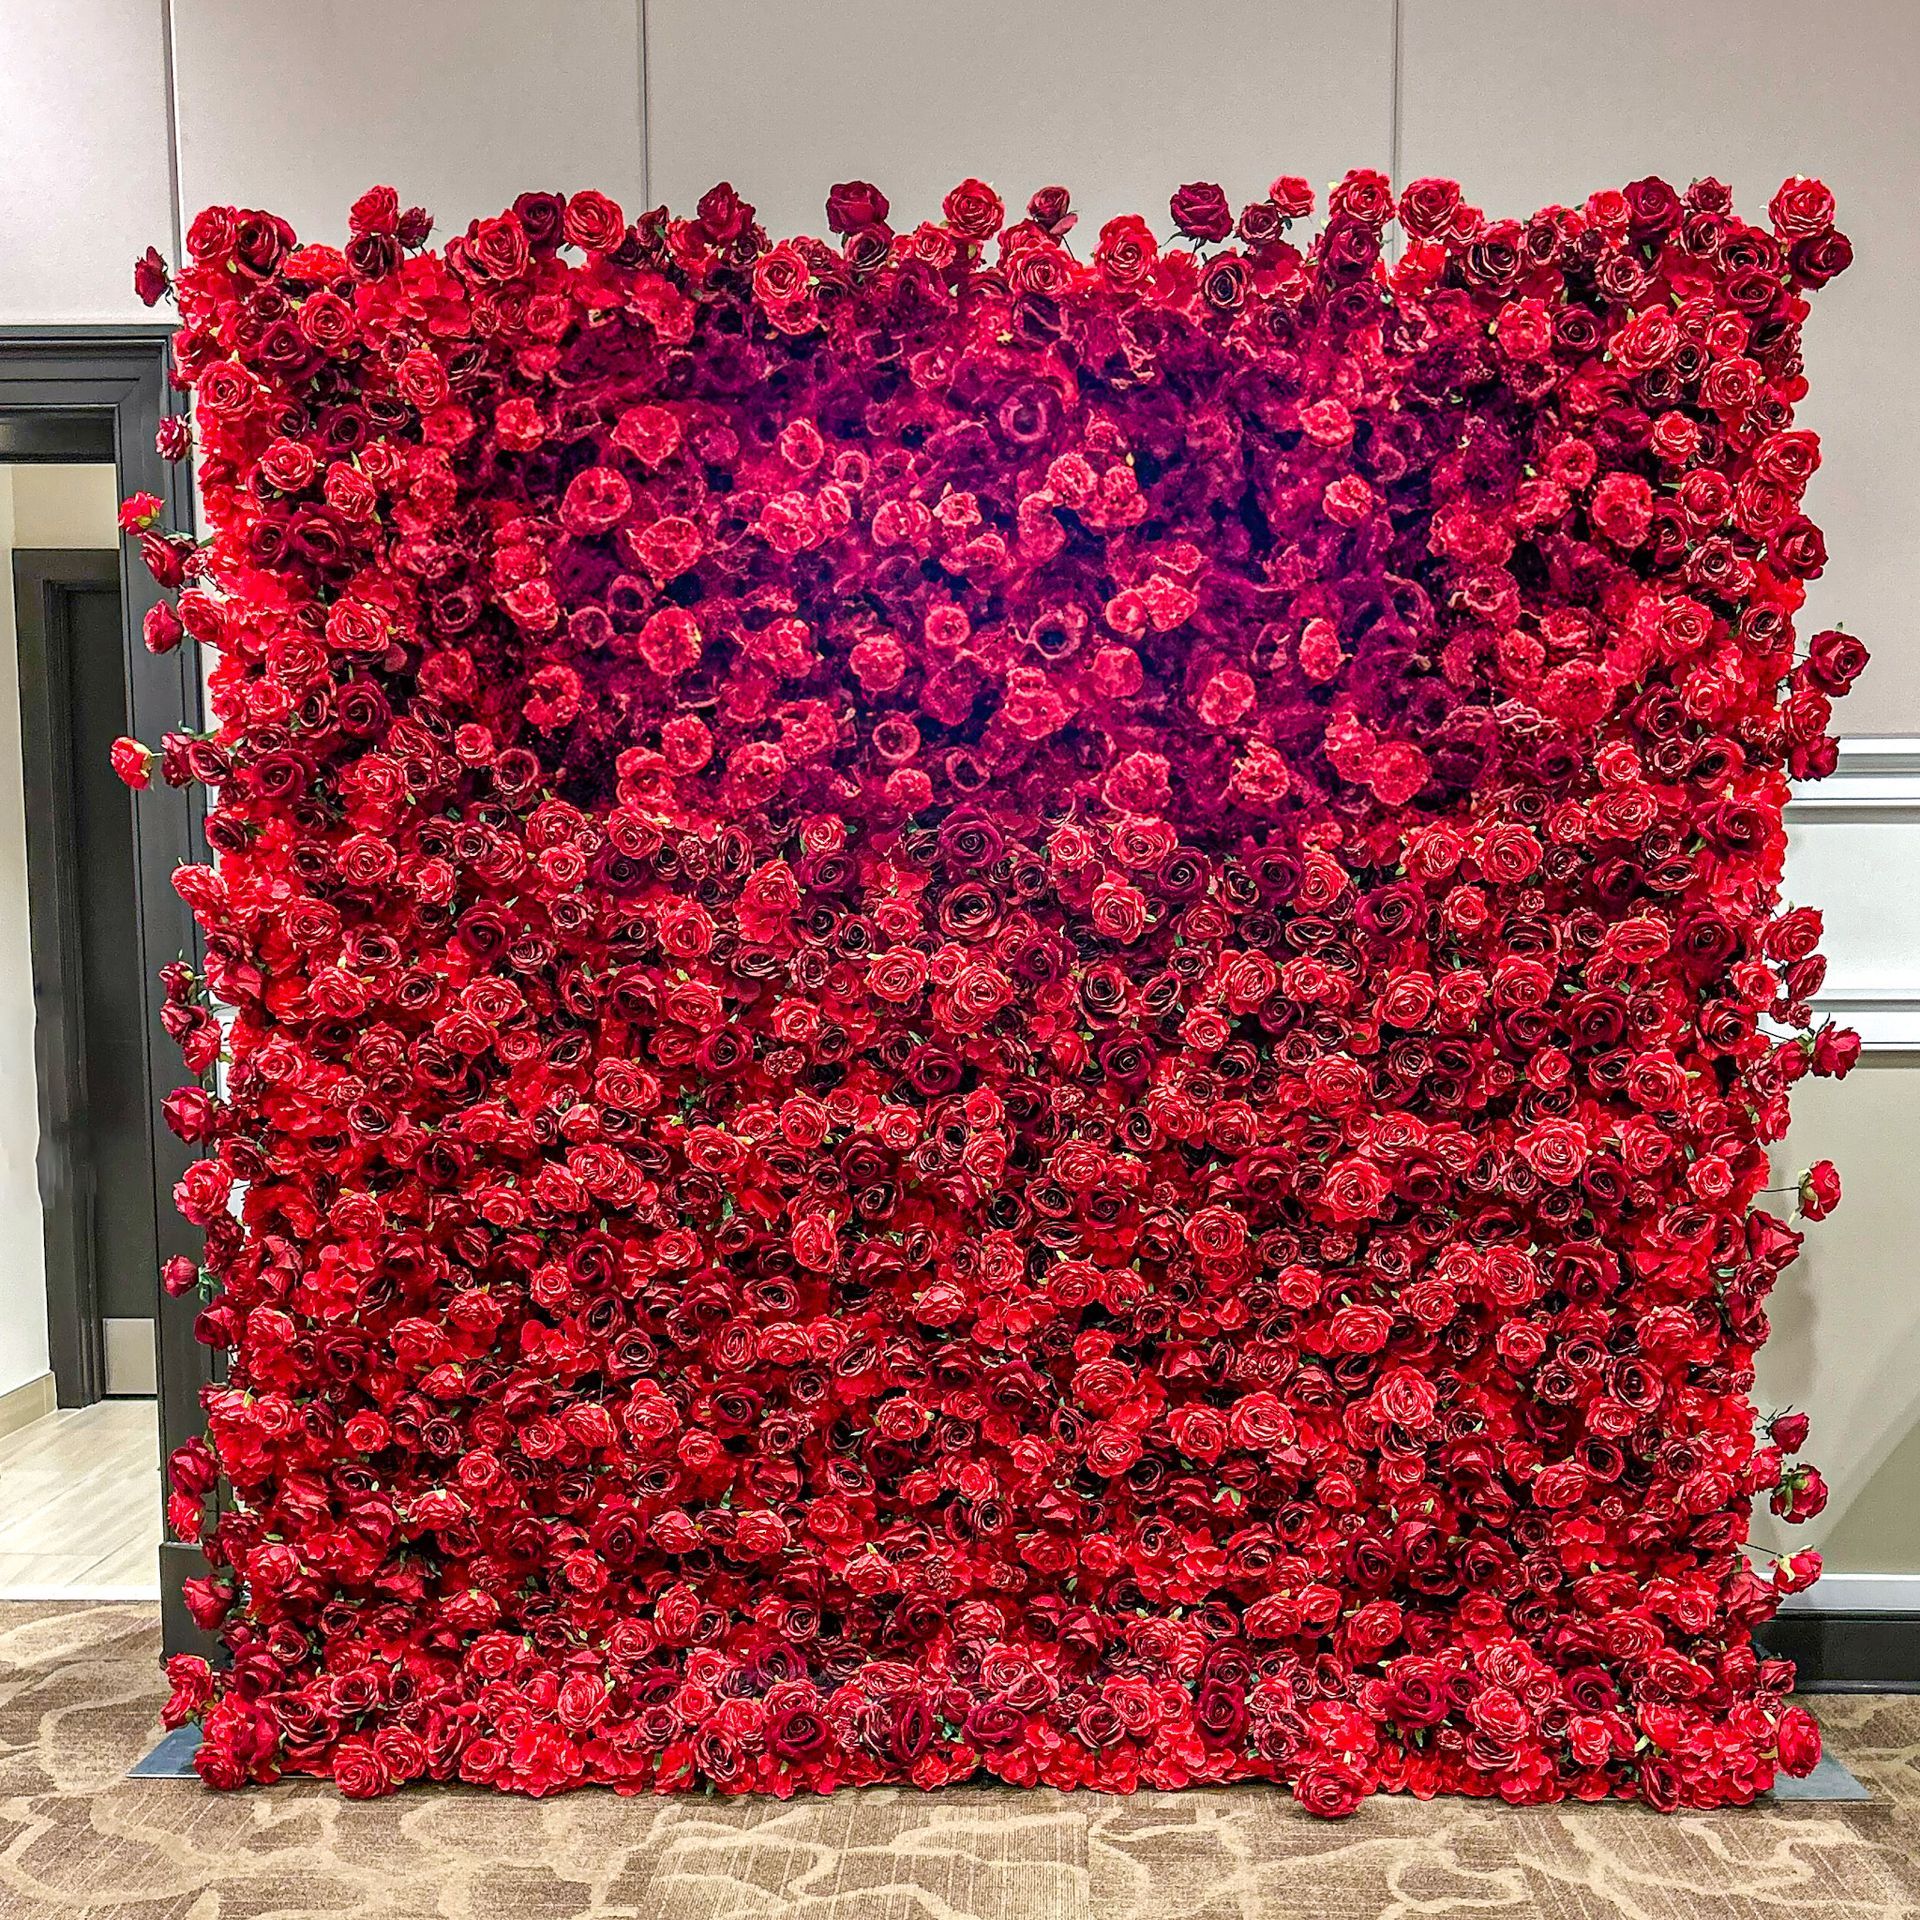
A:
(990, 1007)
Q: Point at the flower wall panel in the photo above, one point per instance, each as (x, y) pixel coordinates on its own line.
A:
(1004, 999)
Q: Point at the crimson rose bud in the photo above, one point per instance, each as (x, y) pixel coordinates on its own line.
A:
(723, 213)
(1789, 1431)
(1800, 1496)
(165, 556)
(179, 1275)
(191, 1678)
(1798, 1738)
(139, 512)
(1835, 1049)
(131, 761)
(1050, 211)
(1798, 1571)
(161, 628)
(151, 281)
(1819, 1190)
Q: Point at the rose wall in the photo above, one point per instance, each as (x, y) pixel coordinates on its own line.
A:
(999, 999)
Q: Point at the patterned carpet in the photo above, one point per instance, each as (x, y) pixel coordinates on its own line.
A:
(79, 1689)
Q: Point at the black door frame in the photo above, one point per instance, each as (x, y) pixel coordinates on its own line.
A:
(45, 583)
(58, 387)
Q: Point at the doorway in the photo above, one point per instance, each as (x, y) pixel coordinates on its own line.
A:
(91, 884)
(94, 1158)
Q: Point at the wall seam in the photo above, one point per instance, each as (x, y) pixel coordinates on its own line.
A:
(176, 211)
(646, 113)
(1397, 29)
(1393, 138)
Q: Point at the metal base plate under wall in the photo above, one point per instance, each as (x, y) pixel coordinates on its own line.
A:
(172, 1759)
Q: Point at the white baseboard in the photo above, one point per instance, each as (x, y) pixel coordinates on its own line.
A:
(25, 1404)
(1858, 1593)
(8, 1595)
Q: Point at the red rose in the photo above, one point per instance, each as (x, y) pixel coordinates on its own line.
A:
(1329, 1791)
(1126, 251)
(1622, 509)
(1051, 211)
(593, 222)
(160, 628)
(360, 1772)
(1800, 209)
(1800, 1496)
(1555, 1149)
(973, 210)
(1789, 1431)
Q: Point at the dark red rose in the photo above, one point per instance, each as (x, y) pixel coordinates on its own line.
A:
(723, 214)
(855, 204)
(1051, 210)
(1201, 211)
(1835, 660)
(151, 280)
(1797, 1738)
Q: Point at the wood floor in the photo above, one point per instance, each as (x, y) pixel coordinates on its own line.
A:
(80, 1505)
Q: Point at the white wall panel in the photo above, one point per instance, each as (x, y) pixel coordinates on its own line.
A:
(1846, 1344)
(1119, 100)
(84, 185)
(1846, 1334)
(1529, 104)
(299, 106)
(1853, 851)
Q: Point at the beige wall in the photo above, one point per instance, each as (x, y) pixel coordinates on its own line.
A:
(112, 131)
(1120, 100)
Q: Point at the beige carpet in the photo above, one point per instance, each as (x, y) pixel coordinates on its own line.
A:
(79, 1689)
